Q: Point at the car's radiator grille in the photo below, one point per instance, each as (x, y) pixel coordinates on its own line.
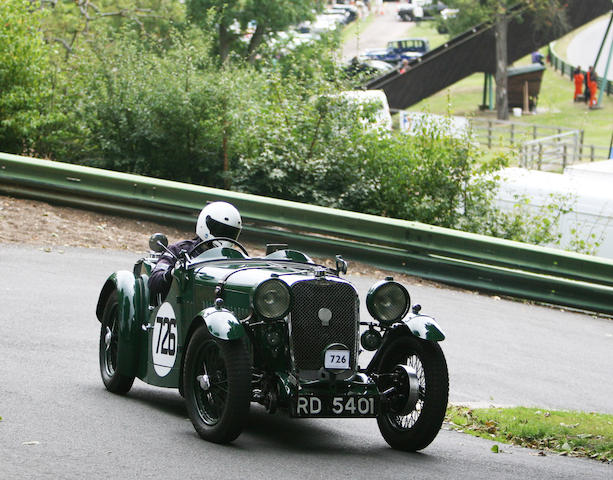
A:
(309, 334)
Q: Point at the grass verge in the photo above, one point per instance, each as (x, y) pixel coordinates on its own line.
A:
(576, 434)
(555, 104)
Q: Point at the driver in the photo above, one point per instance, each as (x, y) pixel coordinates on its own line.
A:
(217, 219)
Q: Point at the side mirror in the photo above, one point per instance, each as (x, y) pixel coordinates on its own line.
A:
(341, 265)
(155, 240)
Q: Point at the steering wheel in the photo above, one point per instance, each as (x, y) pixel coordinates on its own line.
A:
(223, 239)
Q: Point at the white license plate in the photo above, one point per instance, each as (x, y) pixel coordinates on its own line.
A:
(337, 359)
(345, 406)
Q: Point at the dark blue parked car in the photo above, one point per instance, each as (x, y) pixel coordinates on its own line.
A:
(398, 50)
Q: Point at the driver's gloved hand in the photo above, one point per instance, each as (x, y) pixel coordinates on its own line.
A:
(168, 274)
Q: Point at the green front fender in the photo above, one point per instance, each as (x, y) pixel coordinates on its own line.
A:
(424, 327)
(222, 323)
(132, 297)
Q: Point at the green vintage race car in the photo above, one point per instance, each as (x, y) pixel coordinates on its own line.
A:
(278, 330)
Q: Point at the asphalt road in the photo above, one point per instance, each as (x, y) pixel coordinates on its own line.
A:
(60, 422)
(583, 49)
(381, 30)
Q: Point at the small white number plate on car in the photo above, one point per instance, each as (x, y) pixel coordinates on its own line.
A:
(336, 359)
(338, 406)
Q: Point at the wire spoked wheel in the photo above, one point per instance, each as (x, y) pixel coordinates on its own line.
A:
(108, 349)
(401, 417)
(217, 382)
(415, 411)
(212, 378)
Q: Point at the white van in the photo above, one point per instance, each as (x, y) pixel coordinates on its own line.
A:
(382, 119)
(416, 123)
(588, 188)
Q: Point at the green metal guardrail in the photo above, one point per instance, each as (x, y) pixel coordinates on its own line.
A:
(440, 254)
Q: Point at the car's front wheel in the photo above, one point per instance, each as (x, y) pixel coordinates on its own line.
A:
(217, 386)
(407, 421)
(109, 338)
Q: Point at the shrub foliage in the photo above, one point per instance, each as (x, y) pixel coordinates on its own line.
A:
(156, 100)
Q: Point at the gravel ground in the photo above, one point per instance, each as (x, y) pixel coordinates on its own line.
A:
(38, 223)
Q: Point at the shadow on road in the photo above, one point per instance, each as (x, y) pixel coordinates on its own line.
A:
(264, 433)
(164, 400)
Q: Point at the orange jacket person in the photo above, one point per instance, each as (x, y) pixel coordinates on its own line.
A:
(593, 90)
(578, 82)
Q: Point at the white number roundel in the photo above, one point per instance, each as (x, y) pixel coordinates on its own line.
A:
(164, 340)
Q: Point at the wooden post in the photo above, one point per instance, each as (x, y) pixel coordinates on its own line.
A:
(526, 97)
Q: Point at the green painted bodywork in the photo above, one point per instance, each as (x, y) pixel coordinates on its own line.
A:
(132, 295)
(222, 324)
(424, 327)
(194, 290)
(225, 274)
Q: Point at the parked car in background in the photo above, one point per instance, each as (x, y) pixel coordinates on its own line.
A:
(350, 12)
(417, 10)
(398, 50)
(367, 67)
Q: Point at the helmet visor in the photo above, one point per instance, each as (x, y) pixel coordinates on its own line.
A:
(219, 229)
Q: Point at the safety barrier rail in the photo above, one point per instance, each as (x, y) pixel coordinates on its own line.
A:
(458, 258)
(552, 153)
(492, 133)
(504, 133)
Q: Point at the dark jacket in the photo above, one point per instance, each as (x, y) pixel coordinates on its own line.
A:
(161, 276)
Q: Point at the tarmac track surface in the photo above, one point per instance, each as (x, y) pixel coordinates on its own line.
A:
(60, 422)
(382, 29)
(583, 49)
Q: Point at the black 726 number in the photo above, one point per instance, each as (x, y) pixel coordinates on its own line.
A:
(168, 342)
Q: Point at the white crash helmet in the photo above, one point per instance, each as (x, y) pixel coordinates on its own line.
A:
(219, 219)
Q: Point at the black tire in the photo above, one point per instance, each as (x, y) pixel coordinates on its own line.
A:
(220, 411)
(109, 336)
(418, 428)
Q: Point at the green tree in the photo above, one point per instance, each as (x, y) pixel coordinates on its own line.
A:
(70, 22)
(231, 20)
(473, 12)
(170, 114)
(24, 86)
(274, 16)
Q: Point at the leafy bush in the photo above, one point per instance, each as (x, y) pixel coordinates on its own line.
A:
(24, 86)
(160, 104)
(167, 114)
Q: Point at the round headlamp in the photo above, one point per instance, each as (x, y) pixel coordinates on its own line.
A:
(272, 299)
(388, 301)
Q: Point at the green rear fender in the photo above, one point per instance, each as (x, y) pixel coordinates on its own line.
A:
(132, 297)
(222, 323)
(424, 327)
